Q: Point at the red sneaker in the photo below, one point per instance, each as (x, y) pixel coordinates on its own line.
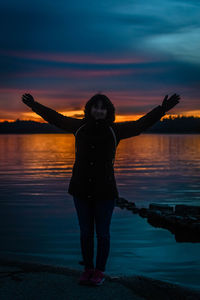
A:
(85, 276)
(97, 277)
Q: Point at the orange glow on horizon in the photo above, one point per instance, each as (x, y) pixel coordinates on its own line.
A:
(79, 114)
(6, 120)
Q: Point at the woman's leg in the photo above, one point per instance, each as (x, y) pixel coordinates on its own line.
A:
(103, 212)
(85, 213)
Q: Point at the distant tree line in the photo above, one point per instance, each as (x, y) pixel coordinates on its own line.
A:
(177, 125)
(171, 125)
(21, 126)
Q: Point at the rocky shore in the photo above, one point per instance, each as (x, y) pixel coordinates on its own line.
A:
(182, 220)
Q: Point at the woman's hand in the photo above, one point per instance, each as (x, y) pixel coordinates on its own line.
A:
(167, 104)
(28, 99)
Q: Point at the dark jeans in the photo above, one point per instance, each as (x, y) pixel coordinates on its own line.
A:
(98, 212)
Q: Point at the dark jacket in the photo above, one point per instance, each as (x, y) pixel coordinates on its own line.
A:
(95, 148)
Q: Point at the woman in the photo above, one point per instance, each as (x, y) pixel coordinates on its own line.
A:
(93, 184)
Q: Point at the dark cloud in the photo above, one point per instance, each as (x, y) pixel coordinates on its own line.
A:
(163, 31)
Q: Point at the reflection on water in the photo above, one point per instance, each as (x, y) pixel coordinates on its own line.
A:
(38, 219)
(38, 156)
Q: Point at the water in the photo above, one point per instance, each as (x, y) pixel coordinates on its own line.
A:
(38, 221)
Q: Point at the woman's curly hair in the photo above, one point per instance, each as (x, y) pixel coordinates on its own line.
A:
(110, 116)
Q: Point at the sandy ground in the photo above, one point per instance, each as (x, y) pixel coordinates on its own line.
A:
(30, 281)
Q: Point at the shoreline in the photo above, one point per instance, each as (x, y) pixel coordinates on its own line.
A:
(17, 272)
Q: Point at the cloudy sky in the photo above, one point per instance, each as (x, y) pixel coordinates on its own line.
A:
(63, 52)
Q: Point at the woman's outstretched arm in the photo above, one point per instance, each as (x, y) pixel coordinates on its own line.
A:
(53, 117)
(132, 128)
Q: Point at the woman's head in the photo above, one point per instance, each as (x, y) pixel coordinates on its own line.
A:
(100, 107)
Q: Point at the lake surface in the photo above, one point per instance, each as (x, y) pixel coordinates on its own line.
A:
(38, 221)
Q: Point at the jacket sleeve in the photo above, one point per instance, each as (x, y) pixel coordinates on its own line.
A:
(131, 128)
(53, 117)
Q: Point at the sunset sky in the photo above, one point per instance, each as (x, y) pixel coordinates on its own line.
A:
(63, 52)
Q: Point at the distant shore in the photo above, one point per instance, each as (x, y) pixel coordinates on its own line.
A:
(184, 125)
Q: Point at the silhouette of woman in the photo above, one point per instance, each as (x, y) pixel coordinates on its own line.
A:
(93, 185)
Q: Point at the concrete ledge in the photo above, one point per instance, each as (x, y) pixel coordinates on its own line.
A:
(22, 280)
